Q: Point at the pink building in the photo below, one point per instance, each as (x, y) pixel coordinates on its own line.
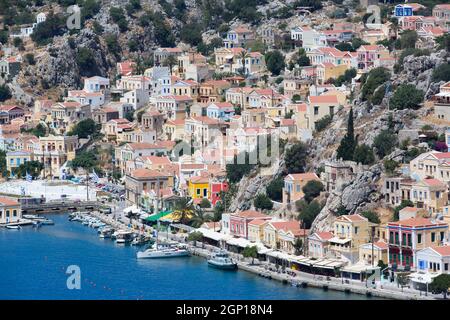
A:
(239, 221)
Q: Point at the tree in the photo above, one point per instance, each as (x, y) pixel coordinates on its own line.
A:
(275, 189)
(33, 168)
(205, 203)
(54, 25)
(84, 129)
(298, 246)
(322, 123)
(347, 147)
(408, 39)
(403, 204)
(441, 73)
(86, 160)
(243, 55)
(191, 33)
(440, 284)
(263, 202)
(364, 154)
(195, 236)
(199, 217)
(86, 62)
(183, 210)
(373, 80)
(29, 57)
(235, 170)
(250, 252)
(312, 189)
(40, 130)
(402, 279)
(358, 42)
(406, 97)
(295, 158)
(170, 61)
(344, 46)
(5, 93)
(384, 143)
(371, 216)
(275, 62)
(308, 212)
(3, 167)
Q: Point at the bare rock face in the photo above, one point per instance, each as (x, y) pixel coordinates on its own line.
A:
(253, 184)
(418, 70)
(58, 67)
(360, 191)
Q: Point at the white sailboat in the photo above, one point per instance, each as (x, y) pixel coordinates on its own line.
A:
(163, 250)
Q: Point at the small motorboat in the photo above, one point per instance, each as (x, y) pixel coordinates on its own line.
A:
(222, 260)
(14, 227)
(47, 222)
(31, 216)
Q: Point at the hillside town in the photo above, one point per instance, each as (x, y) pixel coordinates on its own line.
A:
(319, 140)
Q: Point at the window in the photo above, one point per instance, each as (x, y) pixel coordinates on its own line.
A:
(433, 237)
(445, 266)
(442, 236)
(409, 240)
(419, 238)
(396, 238)
(356, 230)
(391, 237)
(404, 239)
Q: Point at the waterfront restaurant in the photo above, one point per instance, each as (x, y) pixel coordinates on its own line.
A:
(324, 267)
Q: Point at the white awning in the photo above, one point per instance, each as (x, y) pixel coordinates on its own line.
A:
(217, 236)
(240, 242)
(358, 268)
(420, 277)
(339, 240)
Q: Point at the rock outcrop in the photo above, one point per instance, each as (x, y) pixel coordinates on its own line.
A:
(354, 196)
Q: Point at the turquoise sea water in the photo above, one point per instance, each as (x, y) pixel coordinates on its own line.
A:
(33, 264)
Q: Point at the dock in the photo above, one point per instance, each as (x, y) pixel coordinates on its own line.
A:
(61, 207)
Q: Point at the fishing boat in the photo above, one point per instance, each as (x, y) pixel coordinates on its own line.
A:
(124, 236)
(139, 241)
(222, 260)
(106, 232)
(163, 250)
(14, 227)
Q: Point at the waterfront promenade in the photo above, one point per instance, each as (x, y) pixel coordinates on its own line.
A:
(382, 290)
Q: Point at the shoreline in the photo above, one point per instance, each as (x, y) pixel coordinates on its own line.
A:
(299, 280)
(315, 283)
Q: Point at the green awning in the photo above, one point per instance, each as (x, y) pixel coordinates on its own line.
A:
(157, 216)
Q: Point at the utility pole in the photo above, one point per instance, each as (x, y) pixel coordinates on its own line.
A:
(87, 184)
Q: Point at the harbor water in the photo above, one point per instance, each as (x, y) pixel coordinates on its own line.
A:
(33, 264)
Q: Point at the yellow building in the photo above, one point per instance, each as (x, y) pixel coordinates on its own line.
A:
(256, 230)
(328, 70)
(379, 251)
(350, 232)
(198, 187)
(293, 184)
(16, 158)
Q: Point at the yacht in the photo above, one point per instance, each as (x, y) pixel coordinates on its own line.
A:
(222, 260)
(163, 250)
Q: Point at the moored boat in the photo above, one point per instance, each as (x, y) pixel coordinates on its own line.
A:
(14, 227)
(221, 260)
(163, 250)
